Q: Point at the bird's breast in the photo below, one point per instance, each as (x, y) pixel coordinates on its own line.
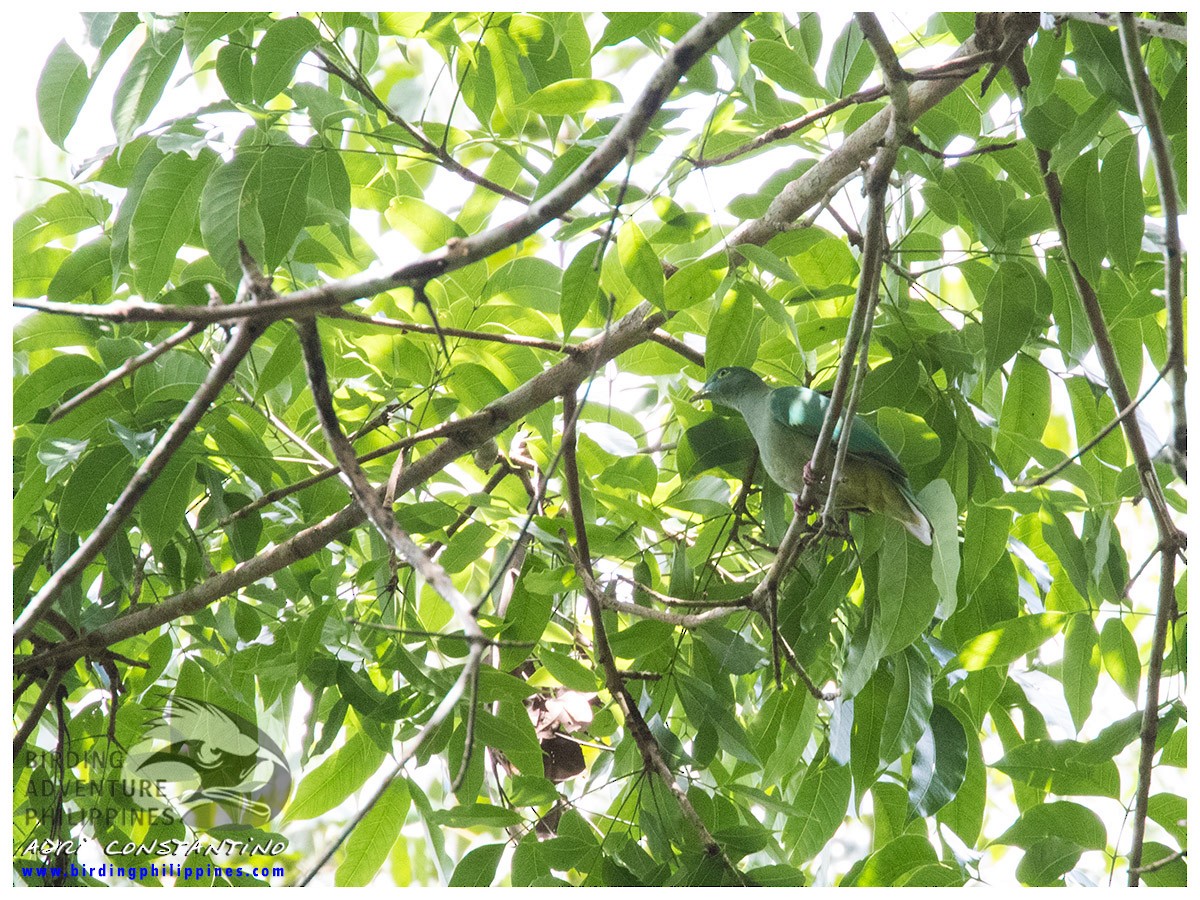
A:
(784, 454)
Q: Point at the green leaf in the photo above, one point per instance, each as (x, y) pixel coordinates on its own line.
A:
(1172, 871)
(279, 52)
(202, 28)
(512, 734)
(88, 266)
(1119, 654)
(886, 866)
(229, 212)
(640, 263)
(1044, 864)
(732, 338)
(696, 281)
(767, 261)
(905, 568)
(1057, 767)
(580, 288)
(937, 499)
(720, 442)
(570, 673)
(478, 868)
(336, 778)
(165, 217)
(235, 71)
(786, 67)
(160, 511)
(1170, 811)
(372, 839)
(939, 762)
(428, 228)
(909, 705)
(61, 91)
(1024, 415)
(1083, 205)
(706, 709)
(142, 85)
(1060, 818)
(571, 96)
(49, 383)
(1010, 314)
(1096, 50)
(1081, 666)
(476, 815)
(1009, 641)
(819, 808)
(95, 483)
(1124, 203)
(850, 61)
(283, 199)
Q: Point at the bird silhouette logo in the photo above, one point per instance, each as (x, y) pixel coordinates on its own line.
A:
(209, 766)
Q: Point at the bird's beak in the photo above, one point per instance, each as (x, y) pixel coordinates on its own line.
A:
(701, 394)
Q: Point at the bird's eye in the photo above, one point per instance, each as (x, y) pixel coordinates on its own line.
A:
(721, 373)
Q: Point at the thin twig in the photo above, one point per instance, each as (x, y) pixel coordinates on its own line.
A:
(692, 355)
(128, 367)
(1154, 27)
(517, 340)
(357, 81)
(1168, 196)
(1096, 439)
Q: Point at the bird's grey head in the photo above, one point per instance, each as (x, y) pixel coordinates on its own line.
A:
(729, 385)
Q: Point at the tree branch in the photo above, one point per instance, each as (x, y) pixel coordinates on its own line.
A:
(1154, 27)
(652, 757)
(798, 196)
(468, 433)
(128, 367)
(243, 339)
(1171, 539)
(457, 253)
(1147, 104)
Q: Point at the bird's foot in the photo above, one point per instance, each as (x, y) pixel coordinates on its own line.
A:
(809, 477)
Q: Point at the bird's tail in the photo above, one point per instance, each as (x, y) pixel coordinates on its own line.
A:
(915, 519)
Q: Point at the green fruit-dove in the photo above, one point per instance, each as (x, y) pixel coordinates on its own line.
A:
(786, 423)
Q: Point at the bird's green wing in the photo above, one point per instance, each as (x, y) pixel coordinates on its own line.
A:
(803, 411)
